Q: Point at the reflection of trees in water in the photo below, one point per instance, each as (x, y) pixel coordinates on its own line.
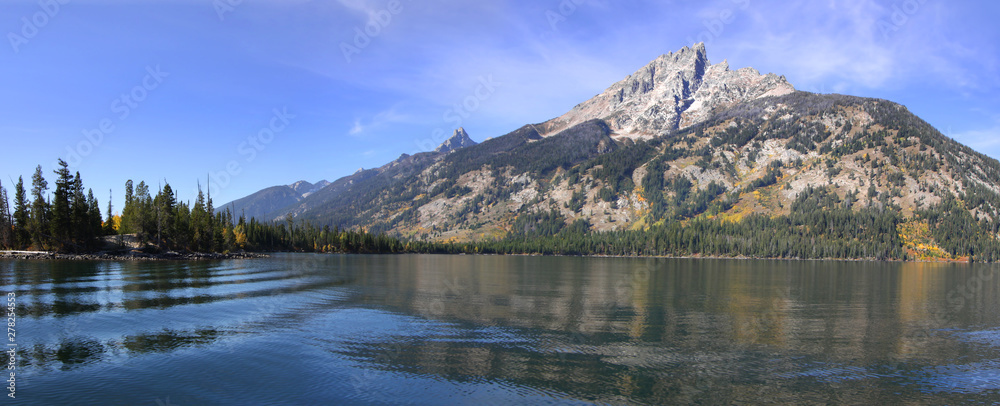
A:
(78, 351)
(75, 352)
(66, 288)
(167, 340)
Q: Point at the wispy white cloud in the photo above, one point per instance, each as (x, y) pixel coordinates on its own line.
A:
(368, 8)
(357, 129)
(851, 44)
(434, 58)
(378, 121)
(819, 43)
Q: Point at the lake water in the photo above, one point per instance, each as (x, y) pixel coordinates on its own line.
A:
(423, 329)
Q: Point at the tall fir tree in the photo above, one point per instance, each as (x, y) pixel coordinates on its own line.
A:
(200, 223)
(39, 222)
(61, 223)
(215, 235)
(182, 226)
(109, 224)
(6, 237)
(145, 217)
(81, 229)
(129, 224)
(165, 203)
(94, 226)
(21, 216)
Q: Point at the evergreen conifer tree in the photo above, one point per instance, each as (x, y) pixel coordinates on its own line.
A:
(39, 210)
(109, 224)
(128, 221)
(94, 227)
(6, 240)
(81, 228)
(61, 222)
(21, 221)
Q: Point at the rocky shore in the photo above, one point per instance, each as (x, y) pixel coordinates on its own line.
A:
(130, 256)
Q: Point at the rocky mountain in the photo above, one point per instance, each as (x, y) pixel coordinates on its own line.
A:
(673, 92)
(305, 189)
(680, 140)
(263, 204)
(457, 141)
(278, 202)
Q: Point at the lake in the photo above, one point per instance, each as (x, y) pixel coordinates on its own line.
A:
(443, 330)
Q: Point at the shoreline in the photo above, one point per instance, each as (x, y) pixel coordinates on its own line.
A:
(790, 259)
(738, 258)
(131, 256)
(201, 256)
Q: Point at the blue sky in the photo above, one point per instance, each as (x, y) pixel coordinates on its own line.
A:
(262, 93)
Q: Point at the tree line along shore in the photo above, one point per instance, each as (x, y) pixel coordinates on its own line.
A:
(820, 225)
(68, 224)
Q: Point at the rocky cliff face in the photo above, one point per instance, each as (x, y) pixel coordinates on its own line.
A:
(673, 92)
(457, 141)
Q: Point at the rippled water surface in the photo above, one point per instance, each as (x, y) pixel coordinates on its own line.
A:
(316, 329)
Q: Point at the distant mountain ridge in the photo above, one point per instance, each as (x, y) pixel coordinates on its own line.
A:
(276, 202)
(261, 204)
(678, 140)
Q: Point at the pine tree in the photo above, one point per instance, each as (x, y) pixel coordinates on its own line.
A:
(82, 228)
(109, 224)
(182, 226)
(61, 223)
(218, 236)
(165, 202)
(39, 210)
(21, 217)
(95, 229)
(6, 239)
(228, 236)
(145, 217)
(199, 224)
(128, 221)
(214, 234)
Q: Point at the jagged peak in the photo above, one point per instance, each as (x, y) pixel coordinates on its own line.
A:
(687, 58)
(698, 50)
(460, 139)
(676, 90)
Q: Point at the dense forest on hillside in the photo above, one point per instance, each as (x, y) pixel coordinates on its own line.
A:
(820, 226)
